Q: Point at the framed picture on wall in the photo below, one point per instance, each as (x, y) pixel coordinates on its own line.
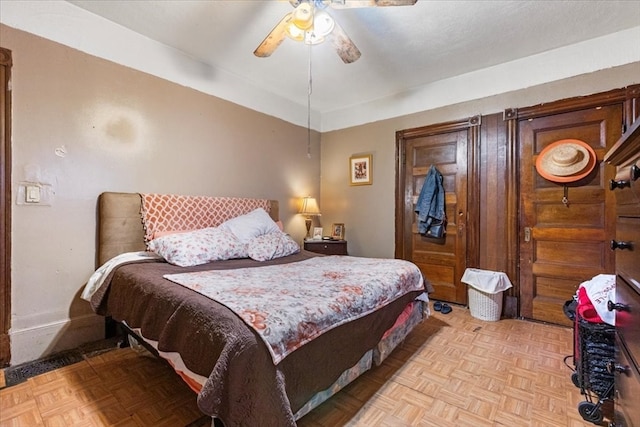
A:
(317, 233)
(337, 231)
(360, 170)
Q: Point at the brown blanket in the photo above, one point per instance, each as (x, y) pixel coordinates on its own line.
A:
(243, 387)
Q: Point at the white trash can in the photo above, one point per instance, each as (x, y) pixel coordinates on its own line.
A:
(485, 292)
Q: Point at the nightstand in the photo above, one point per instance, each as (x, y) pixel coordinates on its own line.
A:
(326, 247)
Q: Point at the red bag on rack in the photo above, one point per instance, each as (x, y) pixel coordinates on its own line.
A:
(586, 308)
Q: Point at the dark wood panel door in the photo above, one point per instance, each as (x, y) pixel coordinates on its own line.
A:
(442, 261)
(5, 207)
(562, 245)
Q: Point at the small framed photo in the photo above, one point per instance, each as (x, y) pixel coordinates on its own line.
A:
(360, 170)
(337, 231)
(317, 233)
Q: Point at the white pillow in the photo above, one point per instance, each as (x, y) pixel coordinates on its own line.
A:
(198, 247)
(249, 226)
(271, 246)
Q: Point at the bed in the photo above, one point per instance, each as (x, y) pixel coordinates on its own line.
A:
(188, 317)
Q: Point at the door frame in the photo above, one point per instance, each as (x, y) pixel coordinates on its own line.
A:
(5, 207)
(513, 116)
(404, 201)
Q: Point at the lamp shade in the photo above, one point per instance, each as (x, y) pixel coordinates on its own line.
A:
(309, 207)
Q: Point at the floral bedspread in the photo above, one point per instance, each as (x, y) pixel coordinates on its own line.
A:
(289, 305)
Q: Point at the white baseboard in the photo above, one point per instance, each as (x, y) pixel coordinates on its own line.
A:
(37, 342)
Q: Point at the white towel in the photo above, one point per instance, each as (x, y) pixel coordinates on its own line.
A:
(490, 282)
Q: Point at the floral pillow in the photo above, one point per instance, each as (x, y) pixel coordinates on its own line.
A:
(249, 226)
(271, 246)
(198, 247)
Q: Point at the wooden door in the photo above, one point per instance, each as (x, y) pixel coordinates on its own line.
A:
(562, 246)
(447, 147)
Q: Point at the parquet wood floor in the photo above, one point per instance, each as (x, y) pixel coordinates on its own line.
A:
(453, 370)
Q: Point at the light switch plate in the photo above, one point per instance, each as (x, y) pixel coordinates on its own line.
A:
(32, 195)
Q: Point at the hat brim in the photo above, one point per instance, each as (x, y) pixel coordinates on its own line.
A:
(567, 178)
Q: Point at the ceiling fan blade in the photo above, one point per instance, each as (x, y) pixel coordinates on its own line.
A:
(347, 4)
(273, 39)
(345, 47)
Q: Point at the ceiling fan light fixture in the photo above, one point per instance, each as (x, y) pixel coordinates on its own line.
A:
(310, 37)
(303, 16)
(323, 24)
(308, 23)
(295, 33)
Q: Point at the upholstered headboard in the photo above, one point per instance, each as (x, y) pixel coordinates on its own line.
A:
(120, 227)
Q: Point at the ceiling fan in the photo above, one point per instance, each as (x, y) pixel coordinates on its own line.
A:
(311, 24)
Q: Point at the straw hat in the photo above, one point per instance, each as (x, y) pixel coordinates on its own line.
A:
(567, 160)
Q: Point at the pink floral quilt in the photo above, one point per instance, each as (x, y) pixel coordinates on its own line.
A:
(289, 305)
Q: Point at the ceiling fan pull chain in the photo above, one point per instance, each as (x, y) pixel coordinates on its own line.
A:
(309, 88)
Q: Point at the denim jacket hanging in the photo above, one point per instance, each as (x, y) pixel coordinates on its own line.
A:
(432, 219)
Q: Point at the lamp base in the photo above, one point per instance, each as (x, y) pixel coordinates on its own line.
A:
(307, 222)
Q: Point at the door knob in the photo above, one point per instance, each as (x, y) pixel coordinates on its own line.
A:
(634, 172)
(613, 184)
(617, 244)
(619, 307)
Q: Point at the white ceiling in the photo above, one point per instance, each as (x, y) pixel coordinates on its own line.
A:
(404, 49)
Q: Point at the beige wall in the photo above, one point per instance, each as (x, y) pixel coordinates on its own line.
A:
(85, 125)
(116, 129)
(368, 211)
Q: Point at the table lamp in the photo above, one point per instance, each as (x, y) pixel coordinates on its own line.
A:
(309, 208)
